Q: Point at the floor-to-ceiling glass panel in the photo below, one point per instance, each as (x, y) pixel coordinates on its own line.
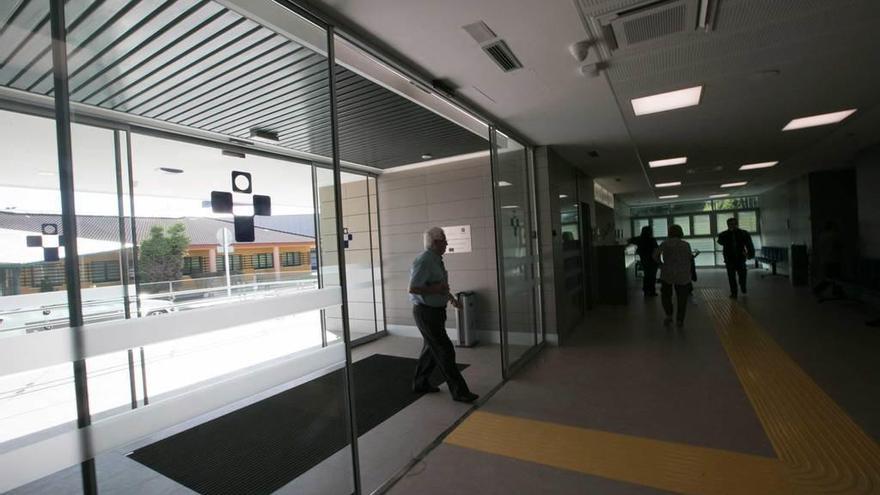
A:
(685, 224)
(234, 382)
(516, 260)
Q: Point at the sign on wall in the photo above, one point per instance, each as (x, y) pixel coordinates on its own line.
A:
(458, 238)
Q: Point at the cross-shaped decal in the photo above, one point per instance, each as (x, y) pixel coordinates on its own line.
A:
(245, 208)
(514, 222)
(50, 241)
(346, 237)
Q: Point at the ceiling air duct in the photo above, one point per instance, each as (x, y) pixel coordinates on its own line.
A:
(495, 47)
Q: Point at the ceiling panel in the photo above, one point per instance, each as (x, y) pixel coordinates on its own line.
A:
(197, 64)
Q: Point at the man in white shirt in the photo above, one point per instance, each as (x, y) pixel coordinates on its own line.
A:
(675, 259)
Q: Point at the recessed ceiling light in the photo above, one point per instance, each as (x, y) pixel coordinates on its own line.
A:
(669, 196)
(672, 100)
(510, 206)
(264, 135)
(724, 195)
(504, 183)
(668, 184)
(170, 170)
(734, 184)
(427, 156)
(563, 196)
(753, 166)
(817, 120)
(668, 162)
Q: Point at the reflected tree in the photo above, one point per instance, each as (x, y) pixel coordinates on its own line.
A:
(161, 254)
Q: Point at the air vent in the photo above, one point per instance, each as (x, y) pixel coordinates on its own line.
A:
(501, 54)
(495, 47)
(652, 20)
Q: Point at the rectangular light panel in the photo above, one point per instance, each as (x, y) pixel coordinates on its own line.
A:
(817, 120)
(719, 195)
(734, 184)
(668, 184)
(753, 166)
(667, 162)
(670, 196)
(672, 100)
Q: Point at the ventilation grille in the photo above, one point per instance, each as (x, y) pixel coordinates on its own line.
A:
(649, 21)
(503, 56)
(662, 23)
(495, 47)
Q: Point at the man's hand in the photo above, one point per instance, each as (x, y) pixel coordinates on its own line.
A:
(454, 302)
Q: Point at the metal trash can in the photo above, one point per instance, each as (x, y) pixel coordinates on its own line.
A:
(467, 319)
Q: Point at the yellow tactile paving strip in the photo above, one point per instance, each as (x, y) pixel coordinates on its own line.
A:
(824, 451)
(820, 449)
(664, 465)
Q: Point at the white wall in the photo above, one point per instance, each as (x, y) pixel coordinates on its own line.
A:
(410, 202)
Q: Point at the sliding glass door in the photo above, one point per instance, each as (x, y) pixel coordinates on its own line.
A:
(516, 244)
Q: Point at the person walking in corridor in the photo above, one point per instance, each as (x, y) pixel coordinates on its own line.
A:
(646, 244)
(738, 247)
(429, 294)
(675, 259)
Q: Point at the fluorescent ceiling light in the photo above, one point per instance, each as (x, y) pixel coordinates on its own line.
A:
(563, 196)
(264, 135)
(667, 101)
(713, 196)
(669, 196)
(668, 184)
(510, 206)
(504, 183)
(753, 166)
(817, 120)
(668, 162)
(734, 184)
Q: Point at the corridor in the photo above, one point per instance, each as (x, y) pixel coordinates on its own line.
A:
(773, 393)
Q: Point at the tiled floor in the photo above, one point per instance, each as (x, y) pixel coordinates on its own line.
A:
(626, 382)
(384, 450)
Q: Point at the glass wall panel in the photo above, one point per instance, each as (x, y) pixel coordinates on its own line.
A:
(187, 213)
(513, 218)
(661, 227)
(33, 290)
(702, 225)
(684, 223)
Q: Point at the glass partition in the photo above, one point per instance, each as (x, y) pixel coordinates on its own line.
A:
(514, 247)
(200, 282)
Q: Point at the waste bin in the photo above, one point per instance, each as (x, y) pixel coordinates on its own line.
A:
(467, 315)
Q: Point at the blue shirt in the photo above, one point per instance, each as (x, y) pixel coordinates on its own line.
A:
(428, 270)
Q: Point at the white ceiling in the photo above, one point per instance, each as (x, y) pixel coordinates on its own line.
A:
(825, 52)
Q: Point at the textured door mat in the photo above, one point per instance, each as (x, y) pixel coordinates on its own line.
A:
(262, 447)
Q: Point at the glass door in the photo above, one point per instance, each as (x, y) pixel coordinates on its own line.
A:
(515, 249)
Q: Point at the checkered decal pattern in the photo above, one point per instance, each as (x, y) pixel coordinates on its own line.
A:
(242, 204)
(49, 240)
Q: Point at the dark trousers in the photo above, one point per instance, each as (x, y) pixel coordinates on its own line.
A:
(681, 295)
(436, 351)
(649, 282)
(736, 270)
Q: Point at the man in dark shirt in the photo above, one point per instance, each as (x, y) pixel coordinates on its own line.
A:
(738, 247)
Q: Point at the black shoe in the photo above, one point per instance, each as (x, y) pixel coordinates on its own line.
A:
(468, 397)
(430, 389)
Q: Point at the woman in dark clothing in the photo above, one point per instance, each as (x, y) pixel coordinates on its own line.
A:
(646, 245)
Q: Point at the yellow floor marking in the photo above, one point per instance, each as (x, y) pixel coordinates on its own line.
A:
(823, 449)
(820, 448)
(665, 465)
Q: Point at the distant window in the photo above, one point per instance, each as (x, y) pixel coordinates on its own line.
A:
(235, 263)
(291, 259)
(193, 265)
(262, 260)
(47, 274)
(104, 271)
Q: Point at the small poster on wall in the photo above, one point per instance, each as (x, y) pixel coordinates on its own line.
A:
(458, 238)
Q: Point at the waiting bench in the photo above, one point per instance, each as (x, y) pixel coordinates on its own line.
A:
(771, 256)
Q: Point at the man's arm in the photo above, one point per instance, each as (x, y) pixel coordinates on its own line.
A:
(750, 247)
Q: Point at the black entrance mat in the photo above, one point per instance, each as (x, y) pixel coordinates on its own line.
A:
(264, 446)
